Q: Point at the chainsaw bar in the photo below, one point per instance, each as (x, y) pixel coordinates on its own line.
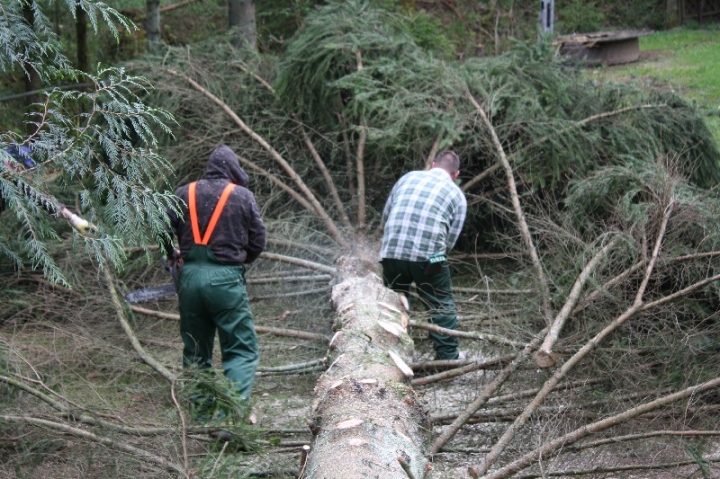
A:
(150, 293)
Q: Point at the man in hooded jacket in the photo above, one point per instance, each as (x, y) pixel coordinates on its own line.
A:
(219, 232)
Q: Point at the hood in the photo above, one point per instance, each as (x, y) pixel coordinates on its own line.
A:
(223, 164)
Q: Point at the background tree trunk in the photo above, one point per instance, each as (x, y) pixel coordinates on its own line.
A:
(31, 77)
(241, 14)
(367, 420)
(152, 25)
(81, 39)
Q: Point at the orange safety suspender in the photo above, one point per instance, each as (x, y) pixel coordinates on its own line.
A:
(215, 216)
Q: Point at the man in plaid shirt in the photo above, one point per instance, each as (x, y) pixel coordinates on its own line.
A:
(422, 219)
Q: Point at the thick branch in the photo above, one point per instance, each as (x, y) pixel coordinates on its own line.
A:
(433, 152)
(298, 262)
(328, 179)
(492, 169)
(552, 447)
(360, 160)
(317, 207)
(544, 356)
(484, 396)
(522, 224)
(149, 360)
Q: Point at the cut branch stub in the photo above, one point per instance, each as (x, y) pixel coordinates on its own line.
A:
(364, 405)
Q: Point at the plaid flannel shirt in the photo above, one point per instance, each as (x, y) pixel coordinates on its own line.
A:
(423, 215)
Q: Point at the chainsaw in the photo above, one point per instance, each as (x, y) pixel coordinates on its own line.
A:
(158, 291)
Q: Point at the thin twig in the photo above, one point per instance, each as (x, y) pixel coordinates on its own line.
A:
(217, 461)
(636, 437)
(58, 287)
(452, 373)
(183, 430)
(278, 182)
(608, 470)
(490, 338)
(241, 65)
(112, 444)
(459, 289)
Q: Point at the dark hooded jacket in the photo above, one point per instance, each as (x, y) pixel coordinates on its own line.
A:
(239, 235)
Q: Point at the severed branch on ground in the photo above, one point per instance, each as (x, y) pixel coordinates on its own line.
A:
(545, 357)
(292, 333)
(105, 441)
(552, 447)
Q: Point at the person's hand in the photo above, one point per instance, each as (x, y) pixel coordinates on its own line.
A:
(175, 258)
(83, 226)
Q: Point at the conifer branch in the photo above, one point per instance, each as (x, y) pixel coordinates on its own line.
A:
(492, 169)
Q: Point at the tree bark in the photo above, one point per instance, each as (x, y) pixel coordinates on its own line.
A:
(152, 25)
(367, 420)
(241, 15)
(31, 77)
(82, 42)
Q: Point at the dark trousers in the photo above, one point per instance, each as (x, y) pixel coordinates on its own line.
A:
(212, 297)
(435, 290)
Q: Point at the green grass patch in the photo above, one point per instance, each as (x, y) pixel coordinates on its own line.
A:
(687, 60)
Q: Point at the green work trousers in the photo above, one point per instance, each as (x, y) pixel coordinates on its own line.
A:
(212, 297)
(435, 290)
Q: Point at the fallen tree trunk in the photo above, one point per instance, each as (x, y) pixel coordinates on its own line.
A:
(367, 420)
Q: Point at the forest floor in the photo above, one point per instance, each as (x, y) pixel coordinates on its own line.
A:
(72, 346)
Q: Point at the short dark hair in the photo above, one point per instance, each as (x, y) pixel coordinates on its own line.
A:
(448, 160)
